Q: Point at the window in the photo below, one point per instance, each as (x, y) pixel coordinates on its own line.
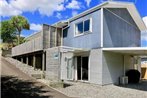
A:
(65, 32)
(83, 27)
(87, 25)
(79, 28)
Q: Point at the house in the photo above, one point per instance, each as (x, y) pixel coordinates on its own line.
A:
(97, 46)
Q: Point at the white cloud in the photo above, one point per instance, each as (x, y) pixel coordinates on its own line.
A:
(74, 13)
(45, 7)
(35, 27)
(88, 2)
(74, 5)
(58, 15)
(7, 9)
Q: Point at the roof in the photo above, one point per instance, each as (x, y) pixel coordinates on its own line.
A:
(113, 4)
(142, 51)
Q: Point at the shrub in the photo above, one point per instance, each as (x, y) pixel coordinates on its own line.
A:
(133, 76)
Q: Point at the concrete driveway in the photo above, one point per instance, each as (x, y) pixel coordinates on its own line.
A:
(16, 84)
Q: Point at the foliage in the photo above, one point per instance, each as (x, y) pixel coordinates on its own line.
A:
(8, 32)
(20, 23)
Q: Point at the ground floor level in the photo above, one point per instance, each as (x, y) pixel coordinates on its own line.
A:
(99, 66)
(16, 84)
(21, 84)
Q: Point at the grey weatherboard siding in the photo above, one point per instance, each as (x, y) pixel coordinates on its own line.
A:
(119, 29)
(89, 40)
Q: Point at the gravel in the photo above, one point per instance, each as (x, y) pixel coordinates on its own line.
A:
(83, 90)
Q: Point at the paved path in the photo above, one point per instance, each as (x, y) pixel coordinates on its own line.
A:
(16, 84)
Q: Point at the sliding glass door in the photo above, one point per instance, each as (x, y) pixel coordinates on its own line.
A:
(82, 68)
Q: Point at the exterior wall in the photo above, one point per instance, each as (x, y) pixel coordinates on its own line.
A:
(95, 66)
(112, 68)
(64, 65)
(119, 29)
(89, 40)
(51, 36)
(38, 34)
(28, 47)
(52, 64)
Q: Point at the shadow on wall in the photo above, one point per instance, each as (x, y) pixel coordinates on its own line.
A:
(12, 87)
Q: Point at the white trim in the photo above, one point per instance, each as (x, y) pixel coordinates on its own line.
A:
(84, 32)
(102, 31)
(128, 50)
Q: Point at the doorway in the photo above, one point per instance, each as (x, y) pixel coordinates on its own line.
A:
(82, 68)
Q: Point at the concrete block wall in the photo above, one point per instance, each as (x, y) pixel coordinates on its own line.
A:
(112, 67)
(95, 68)
(52, 64)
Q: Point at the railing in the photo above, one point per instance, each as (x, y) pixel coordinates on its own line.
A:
(28, 47)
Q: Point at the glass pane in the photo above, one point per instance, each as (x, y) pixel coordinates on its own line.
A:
(84, 68)
(87, 25)
(79, 28)
(79, 67)
(65, 32)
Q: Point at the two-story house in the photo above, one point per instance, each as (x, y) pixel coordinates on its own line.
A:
(97, 46)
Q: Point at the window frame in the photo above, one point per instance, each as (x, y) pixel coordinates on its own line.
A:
(84, 32)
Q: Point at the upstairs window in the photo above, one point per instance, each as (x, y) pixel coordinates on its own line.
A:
(65, 32)
(79, 28)
(83, 27)
(87, 25)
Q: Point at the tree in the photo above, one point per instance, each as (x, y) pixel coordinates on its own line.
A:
(20, 23)
(8, 32)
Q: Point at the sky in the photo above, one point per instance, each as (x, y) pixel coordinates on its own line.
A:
(40, 12)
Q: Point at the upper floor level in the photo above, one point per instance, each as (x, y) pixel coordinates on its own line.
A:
(111, 24)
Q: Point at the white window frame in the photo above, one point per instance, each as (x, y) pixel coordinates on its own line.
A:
(83, 33)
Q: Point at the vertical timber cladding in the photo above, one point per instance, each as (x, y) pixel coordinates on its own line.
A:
(51, 36)
(45, 36)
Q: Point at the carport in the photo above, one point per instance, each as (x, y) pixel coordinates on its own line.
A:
(126, 57)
